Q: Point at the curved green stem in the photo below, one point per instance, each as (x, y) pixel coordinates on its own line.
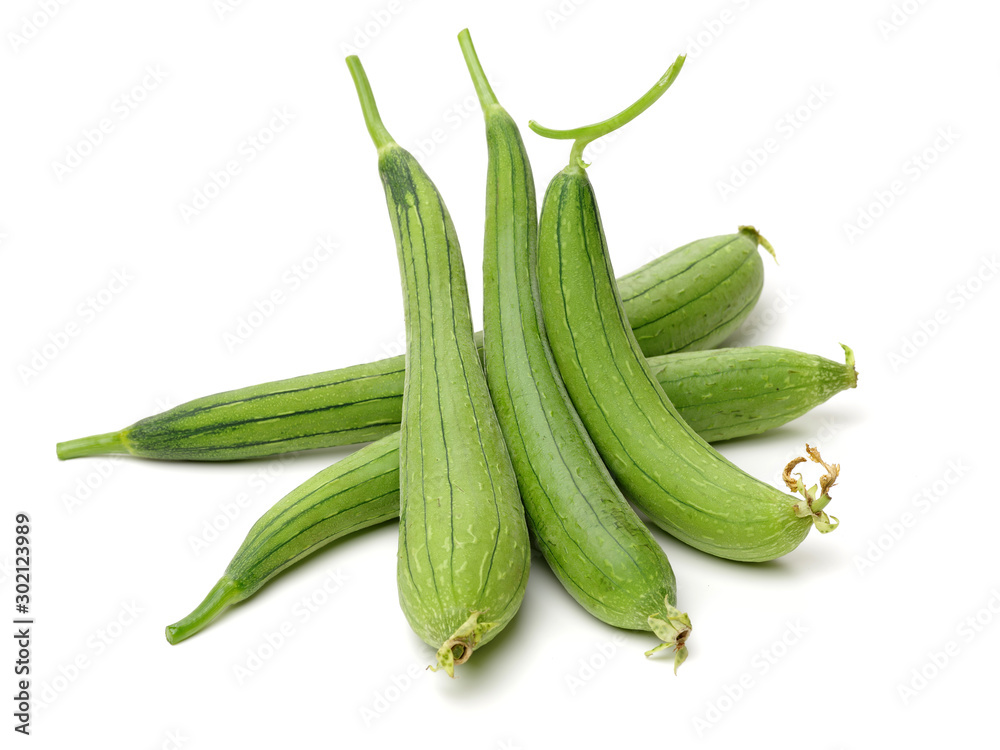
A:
(222, 596)
(484, 91)
(373, 120)
(585, 135)
(849, 359)
(757, 237)
(94, 445)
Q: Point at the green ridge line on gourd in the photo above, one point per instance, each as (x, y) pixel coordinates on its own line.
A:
(256, 543)
(695, 299)
(693, 263)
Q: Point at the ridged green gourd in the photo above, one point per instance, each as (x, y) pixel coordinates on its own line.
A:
(688, 299)
(463, 543)
(680, 482)
(589, 535)
(359, 491)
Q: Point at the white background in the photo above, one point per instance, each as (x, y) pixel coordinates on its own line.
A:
(821, 641)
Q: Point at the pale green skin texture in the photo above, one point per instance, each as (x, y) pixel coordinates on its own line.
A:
(689, 299)
(696, 296)
(593, 541)
(729, 393)
(659, 462)
(358, 491)
(463, 542)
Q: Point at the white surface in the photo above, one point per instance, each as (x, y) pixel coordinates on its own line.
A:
(161, 341)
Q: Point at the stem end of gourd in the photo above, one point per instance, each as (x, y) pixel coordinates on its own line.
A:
(757, 237)
(93, 445)
(222, 596)
(817, 497)
(581, 137)
(673, 628)
(849, 361)
(369, 109)
(459, 647)
(487, 99)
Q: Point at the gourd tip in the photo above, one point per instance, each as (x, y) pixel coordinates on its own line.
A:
(459, 647)
(673, 628)
(93, 445)
(811, 506)
(757, 237)
(223, 595)
(849, 361)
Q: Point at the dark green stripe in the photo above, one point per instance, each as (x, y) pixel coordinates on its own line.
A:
(197, 449)
(413, 314)
(270, 394)
(691, 301)
(191, 432)
(749, 305)
(254, 544)
(287, 542)
(684, 270)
